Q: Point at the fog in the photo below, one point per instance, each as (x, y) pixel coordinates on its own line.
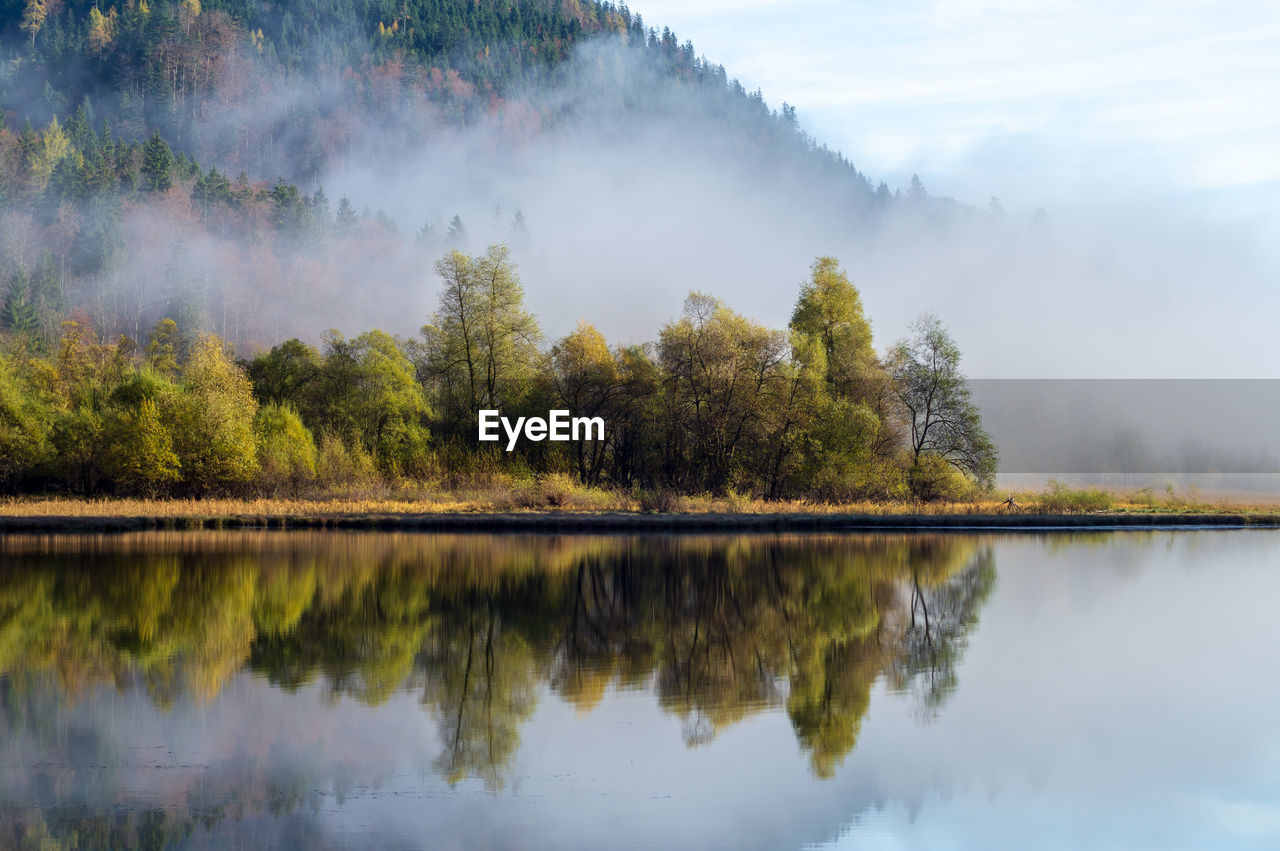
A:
(630, 207)
(636, 188)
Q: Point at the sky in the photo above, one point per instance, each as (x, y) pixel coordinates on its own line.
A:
(1041, 104)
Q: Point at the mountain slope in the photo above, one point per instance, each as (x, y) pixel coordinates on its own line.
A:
(125, 124)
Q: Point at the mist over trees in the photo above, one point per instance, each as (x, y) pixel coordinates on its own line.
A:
(175, 159)
(163, 209)
(718, 404)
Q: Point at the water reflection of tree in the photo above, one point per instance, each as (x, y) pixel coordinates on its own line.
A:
(480, 683)
(718, 627)
(930, 642)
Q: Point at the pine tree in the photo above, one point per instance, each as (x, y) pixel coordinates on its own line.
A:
(211, 191)
(19, 311)
(347, 218)
(290, 215)
(457, 233)
(320, 209)
(520, 236)
(27, 142)
(108, 142)
(157, 164)
(80, 127)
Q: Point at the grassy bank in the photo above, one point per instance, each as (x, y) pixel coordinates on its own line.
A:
(557, 503)
(624, 522)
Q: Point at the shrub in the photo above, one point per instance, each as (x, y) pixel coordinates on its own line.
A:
(286, 449)
(661, 500)
(339, 465)
(24, 428)
(213, 421)
(1060, 498)
(140, 456)
(934, 478)
(403, 449)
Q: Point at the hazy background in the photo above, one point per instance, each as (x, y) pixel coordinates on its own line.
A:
(1097, 200)
(1148, 131)
(1114, 178)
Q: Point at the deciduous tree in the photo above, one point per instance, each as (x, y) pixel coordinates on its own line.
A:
(481, 346)
(140, 456)
(213, 421)
(944, 421)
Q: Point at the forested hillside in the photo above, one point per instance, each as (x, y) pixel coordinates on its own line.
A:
(163, 212)
(144, 144)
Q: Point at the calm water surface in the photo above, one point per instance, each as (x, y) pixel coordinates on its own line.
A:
(311, 690)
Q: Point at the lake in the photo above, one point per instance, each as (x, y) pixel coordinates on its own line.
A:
(349, 689)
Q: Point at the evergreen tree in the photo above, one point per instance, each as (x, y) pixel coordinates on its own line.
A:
(80, 127)
(27, 142)
(211, 191)
(456, 236)
(157, 164)
(19, 314)
(347, 219)
(520, 237)
(291, 218)
(425, 236)
(320, 213)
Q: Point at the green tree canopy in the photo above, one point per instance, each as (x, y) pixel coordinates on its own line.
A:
(367, 392)
(157, 164)
(481, 348)
(830, 310)
(213, 419)
(721, 376)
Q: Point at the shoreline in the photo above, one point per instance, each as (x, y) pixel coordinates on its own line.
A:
(621, 522)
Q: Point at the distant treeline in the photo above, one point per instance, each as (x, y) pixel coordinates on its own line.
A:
(717, 404)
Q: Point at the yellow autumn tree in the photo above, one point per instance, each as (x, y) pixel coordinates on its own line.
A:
(213, 435)
(140, 455)
(54, 145)
(33, 18)
(102, 29)
(588, 382)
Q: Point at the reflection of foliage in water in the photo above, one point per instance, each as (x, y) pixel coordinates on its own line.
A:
(719, 627)
(930, 643)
